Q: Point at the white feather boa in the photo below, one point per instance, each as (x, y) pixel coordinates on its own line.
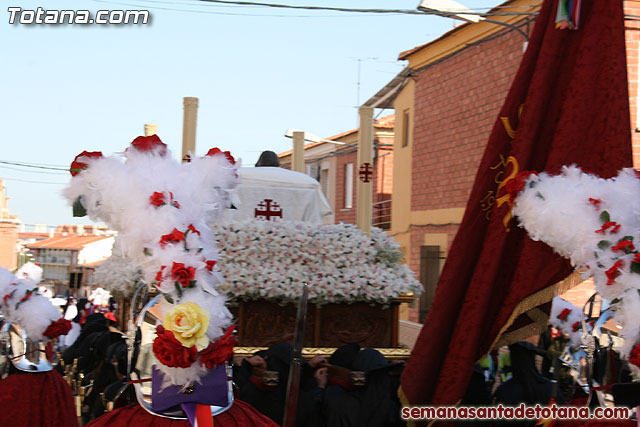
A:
(595, 223)
(21, 305)
(146, 198)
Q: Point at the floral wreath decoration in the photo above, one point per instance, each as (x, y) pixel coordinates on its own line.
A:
(23, 305)
(267, 260)
(595, 223)
(160, 209)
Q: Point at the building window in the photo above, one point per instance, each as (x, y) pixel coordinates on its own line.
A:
(405, 127)
(348, 186)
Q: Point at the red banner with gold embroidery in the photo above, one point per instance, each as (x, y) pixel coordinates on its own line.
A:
(568, 104)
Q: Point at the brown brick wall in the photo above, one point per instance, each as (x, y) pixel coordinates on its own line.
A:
(382, 179)
(456, 104)
(346, 155)
(633, 42)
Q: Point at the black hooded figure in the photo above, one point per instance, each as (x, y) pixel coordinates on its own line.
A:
(268, 158)
(373, 405)
(527, 385)
(270, 401)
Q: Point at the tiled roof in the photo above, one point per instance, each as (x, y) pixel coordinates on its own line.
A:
(95, 263)
(66, 242)
(32, 235)
(404, 55)
(386, 122)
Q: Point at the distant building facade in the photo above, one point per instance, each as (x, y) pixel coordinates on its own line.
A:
(334, 165)
(9, 225)
(68, 260)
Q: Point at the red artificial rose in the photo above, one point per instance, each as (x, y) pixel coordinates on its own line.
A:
(77, 166)
(635, 356)
(8, 296)
(615, 227)
(210, 264)
(174, 203)
(150, 144)
(159, 274)
(193, 229)
(613, 272)
(514, 186)
(157, 199)
(624, 245)
(183, 275)
(174, 237)
(636, 258)
(61, 326)
(595, 202)
(170, 352)
(215, 151)
(576, 326)
(219, 351)
(27, 295)
(563, 315)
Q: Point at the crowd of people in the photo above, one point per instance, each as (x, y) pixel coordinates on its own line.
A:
(353, 387)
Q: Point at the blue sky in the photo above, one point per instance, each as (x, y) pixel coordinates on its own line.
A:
(69, 88)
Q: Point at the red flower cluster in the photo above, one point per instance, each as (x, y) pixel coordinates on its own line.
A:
(563, 315)
(595, 202)
(27, 295)
(175, 236)
(575, 326)
(61, 326)
(613, 272)
(210, 264)
(150, 144)
(615, 227)
(77, 166)
(182, 274)
(170, 352)
(514, 186)
(625, 246)
(7, 296)
(219, 351)
(159, 199)
(635, 356)
(193, 229)
(215, 151)
(160, 273)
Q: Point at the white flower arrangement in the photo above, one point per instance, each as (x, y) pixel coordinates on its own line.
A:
(118, 275)
(271, 260)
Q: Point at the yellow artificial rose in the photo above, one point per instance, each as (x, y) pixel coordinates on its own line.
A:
(189, 323)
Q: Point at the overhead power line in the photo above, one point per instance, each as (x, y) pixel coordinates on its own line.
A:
(32, 171)
(33, 165)
(35, 182)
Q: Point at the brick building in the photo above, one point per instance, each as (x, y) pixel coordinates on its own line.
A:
(446, 103)
(9, 225)
(335, 167)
